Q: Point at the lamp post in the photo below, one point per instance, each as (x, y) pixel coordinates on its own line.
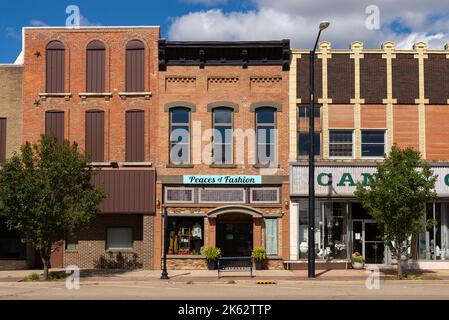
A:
(311, 229)
(164, 275)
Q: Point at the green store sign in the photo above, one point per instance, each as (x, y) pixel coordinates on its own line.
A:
(346, 179)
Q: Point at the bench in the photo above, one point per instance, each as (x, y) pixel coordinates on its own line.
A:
(234, 264)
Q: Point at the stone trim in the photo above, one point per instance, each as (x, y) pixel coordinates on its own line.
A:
(225, 104)
(270, 104)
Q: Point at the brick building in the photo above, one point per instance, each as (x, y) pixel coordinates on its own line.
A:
(368, 100)
(98, 86)
(222, 182)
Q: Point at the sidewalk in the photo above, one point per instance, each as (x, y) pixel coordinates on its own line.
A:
(212, 276)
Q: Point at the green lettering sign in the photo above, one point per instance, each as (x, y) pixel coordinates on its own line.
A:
(446, 180)
(367, 177)
(346, 178)
(329, 179)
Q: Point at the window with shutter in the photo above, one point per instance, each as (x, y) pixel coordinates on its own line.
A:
(271, 236)
(55, 67)
(135, 126)
(2, 139)
(135, 66)
(95, 69)
(95, 135)
(54, 125)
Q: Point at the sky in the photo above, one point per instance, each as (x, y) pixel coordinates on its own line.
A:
(370, 21)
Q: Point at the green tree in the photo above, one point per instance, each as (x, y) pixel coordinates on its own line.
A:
(396, 197)
(46, 194)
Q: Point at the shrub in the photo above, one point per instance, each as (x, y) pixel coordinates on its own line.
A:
(211, 253)
(357, 258)
(32, 277)
(259, 254)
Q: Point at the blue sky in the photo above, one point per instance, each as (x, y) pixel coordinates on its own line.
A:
(403, 21)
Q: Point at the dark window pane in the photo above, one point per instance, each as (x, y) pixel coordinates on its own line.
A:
(265, 115)
(340, 150)
(340, 136)
(180, 134)
(222, 115)
(135, 133)
(373, 150)
(180, 115)
(303, 144)
(304, 112)
(373, 136)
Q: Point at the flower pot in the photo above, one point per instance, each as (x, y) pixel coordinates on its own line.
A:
(211, 265)
(259, 264)
(358, 265)
(303, 247)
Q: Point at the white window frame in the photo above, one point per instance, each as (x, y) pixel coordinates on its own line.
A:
(251, 200)
(276, 236)
(118, 249)
(166, 189)
(329, 144)
(385, 143)
(224, 189)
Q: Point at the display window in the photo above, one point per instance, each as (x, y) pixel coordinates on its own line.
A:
(186, 236)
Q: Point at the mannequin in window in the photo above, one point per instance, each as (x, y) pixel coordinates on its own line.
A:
(197, 236)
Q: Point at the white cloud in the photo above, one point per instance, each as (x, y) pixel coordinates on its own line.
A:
(87, 23)
(38, 23)
(12, 33)
(206, 2)
(402, 21)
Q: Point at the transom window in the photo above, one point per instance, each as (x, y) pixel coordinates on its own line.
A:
(180, 135)
(266, 135)
(373, 143)
(223, 135)
(340, 143)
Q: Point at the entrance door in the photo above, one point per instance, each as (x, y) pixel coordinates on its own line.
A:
(235, 239)
(367, 240)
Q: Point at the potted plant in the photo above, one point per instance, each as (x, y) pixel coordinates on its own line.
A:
(211, 254)
(259, 255)
(357, 261)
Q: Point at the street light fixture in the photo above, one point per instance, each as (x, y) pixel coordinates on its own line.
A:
(311, 226)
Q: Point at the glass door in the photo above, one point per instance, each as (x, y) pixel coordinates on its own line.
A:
(366, 239)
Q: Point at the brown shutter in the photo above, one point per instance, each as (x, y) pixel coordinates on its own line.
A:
(95, 75)
(95, 135)
(135, 126)
(2, 139)
(135, 65)
(55, 67)
(54, 125)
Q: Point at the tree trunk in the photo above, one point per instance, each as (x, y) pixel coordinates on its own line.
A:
(414, 247)
(45, 257)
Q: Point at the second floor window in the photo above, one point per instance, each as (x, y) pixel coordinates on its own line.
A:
(95, 135)
(266, 135)
(180, 135)
(303, 144)
(223, 136)
(373, 143)
(95, 67)
(135, 66)
(135, 135)
(303, 131)
(55, 67)
(54, 125)
(340, 143)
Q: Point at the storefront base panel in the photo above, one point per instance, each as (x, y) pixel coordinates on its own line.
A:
(274, 264)
(13, 265)
(427, 265)
(186, 264)
(319, 265)
(92, 251)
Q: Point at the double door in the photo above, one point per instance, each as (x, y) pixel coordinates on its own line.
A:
(366, 239)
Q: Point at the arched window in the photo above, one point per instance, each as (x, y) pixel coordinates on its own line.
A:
(95, 68)
(266, 135)
(223, 135)
(135, 66)
(55, 67)
(180, 135)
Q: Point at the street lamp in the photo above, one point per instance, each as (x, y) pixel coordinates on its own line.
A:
(311, 231)
(164, 275)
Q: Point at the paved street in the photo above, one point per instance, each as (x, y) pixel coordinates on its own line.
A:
(225, 289)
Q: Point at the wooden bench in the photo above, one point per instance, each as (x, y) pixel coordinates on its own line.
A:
(235, 264)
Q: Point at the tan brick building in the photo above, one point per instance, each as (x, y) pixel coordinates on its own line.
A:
(368, 100)
(98, 86)
(211, 179)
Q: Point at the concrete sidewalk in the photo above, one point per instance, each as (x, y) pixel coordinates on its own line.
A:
(212, 276)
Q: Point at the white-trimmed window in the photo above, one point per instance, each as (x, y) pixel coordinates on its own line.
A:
(179, 195)
(373, 143)
(271, 236)
(222, 195)
(264, 195)
(341, 143)
(119, 239)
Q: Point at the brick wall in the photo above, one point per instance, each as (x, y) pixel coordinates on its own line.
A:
(11, 105)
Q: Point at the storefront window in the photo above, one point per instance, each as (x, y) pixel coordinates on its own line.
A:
(433, 242)
(335, 239)
(271, 236)
(303, 228)
(11, 247)
(186, 236)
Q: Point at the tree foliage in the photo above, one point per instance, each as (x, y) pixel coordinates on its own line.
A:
(46, 193)
(396, 197)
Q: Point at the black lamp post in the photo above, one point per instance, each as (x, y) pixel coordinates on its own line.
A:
(311, 231)
(164, 275)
